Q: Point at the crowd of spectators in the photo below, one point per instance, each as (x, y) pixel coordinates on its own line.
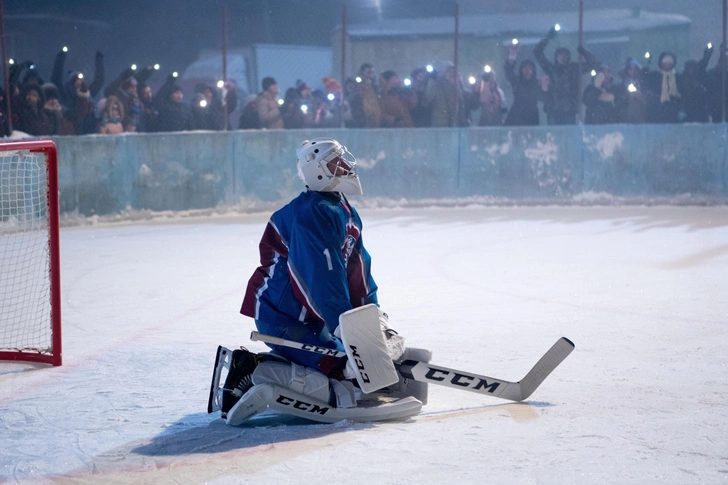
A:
(429, 97)
(68, 105)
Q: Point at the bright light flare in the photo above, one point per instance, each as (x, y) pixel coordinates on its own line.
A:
(330, 96)
(647, 55)
(80, 75)
(11, 61)
(203, 103)
(156, 67)
(358, 79)
(514, 41)
(557, 27)
(133, 67)
(429, 68)
(220, 83)
(174, 74)
(471, 79)
(632, 88)
(304, 108)
(488, 69)
(65, 49)
(407, 82)
(593, 73)
(280, 102)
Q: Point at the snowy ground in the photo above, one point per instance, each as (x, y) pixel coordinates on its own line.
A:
(644, 398)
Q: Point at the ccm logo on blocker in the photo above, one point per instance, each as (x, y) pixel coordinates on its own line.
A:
(359, 364)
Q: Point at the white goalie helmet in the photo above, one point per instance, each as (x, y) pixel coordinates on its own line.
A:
(325, 165)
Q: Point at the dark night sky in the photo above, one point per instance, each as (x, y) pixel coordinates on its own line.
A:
(172, 32)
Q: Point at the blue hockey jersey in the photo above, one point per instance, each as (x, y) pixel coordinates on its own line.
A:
(313, 265)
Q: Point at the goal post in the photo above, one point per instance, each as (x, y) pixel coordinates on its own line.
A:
(30, 289)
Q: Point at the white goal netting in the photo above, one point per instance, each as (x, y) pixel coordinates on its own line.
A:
(25, 293)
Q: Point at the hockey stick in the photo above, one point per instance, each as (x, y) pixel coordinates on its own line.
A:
(466, 381)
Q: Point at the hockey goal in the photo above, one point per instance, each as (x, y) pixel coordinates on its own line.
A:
(30, 291)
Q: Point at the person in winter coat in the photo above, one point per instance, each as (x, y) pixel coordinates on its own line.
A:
(215, 106)
(150, 113)
(600, 99)
(77, 96)
(53, 107)
(394, 101)
(527, 91)
(451, 104)
(291, 113)
(714, 85)
(562, 103)
(365, 109)
(664, 100)
(421, 111)
(692, 84)
(33, 119)
(267, 106)
(112, 116)
(631, 100)
(174, 115)
(492, 101)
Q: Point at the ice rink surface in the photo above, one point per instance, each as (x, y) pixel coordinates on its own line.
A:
(642, 400)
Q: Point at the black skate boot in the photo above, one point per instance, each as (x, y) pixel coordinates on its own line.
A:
(239, 378)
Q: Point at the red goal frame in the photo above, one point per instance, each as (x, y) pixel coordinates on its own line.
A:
(49, 149)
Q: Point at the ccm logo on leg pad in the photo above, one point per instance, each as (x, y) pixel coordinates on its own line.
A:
(301, 405)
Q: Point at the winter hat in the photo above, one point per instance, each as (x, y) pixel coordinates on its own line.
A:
(666, 55)
(300, 85)
(32, 77)
(128, 83)
(331, 84)
(74, 76)
(268, 82)
(174, 88)
(50, 91)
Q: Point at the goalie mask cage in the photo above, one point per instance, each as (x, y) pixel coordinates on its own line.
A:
(30, 291)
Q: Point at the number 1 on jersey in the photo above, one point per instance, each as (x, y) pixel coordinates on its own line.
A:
(328, 259)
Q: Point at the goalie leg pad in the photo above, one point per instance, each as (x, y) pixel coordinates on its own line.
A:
(253, 402)
(302, 380)
(343, 393)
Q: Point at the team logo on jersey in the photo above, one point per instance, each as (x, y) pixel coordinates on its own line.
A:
(348, 247)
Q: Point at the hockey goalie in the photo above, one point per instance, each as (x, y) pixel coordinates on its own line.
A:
(313, 270)
(333, 354)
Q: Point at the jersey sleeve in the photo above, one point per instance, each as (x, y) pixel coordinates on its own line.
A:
(316, 265)
(362, 288)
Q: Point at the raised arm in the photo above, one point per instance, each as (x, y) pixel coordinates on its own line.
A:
(538, 52)
(98, 81)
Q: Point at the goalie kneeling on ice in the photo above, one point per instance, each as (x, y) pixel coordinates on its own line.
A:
(305, 392)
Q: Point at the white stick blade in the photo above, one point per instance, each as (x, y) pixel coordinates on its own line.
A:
(550, 361)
